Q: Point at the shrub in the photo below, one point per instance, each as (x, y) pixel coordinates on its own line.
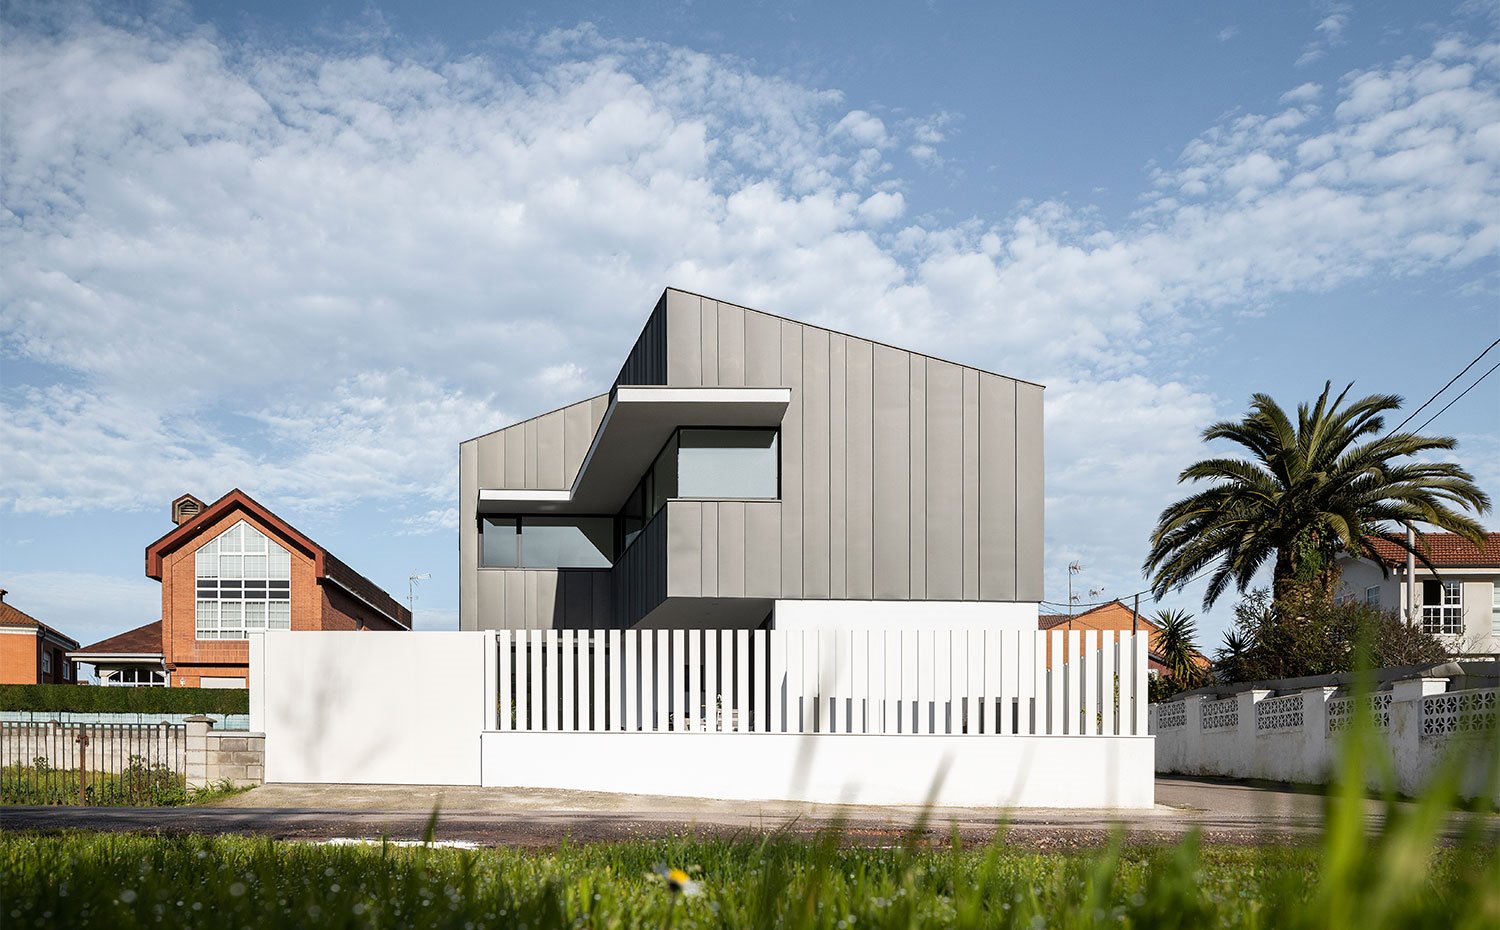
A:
(1276, 641)
(81, 699)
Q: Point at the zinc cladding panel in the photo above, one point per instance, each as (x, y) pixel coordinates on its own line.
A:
(917, 503)
(944, 481)
(731, 351)
(815, 464)
(684, 339)
(971, 484)
(762, 548)
(578, 434)
(997, 488)
(708, 549)
(792, 494)
(838, 523)
(647, 361)
(549, 434)
(891, 484)
(708, 345)
(731, 548)
(468, 534)
(762, 350)
(1029, 492)
(684, 549)
(859, 468)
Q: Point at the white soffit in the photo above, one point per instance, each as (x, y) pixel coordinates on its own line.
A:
(637, 424)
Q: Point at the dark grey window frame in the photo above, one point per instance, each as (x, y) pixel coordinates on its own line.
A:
(520, 558)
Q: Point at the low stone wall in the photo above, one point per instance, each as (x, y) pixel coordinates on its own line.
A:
(218, 756)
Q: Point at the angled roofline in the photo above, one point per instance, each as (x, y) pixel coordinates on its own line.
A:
(239, 500)
(839, 332)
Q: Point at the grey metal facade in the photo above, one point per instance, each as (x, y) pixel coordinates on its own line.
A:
(903, 477)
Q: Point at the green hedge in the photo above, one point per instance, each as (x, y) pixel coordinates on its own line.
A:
(84, 699)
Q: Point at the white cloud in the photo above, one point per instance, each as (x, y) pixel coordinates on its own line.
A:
(84, 605)
(1302, 93)
(1228, 32)
(313, 272)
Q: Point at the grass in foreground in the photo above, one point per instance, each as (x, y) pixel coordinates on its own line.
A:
(102, 880)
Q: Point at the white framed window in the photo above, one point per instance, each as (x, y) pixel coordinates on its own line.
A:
(1495, 609)
(244, 584)
(1442, 607)
(46, 663)
(1372, 595)
(135, 678)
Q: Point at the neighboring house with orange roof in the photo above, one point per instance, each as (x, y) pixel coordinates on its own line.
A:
(31, 652)
(229, 569)
(130, 659)
(1456, 595)
(1114, 617)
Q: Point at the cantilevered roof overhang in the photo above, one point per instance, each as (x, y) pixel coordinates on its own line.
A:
(638, 422)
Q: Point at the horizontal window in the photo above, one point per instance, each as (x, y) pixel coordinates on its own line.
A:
(727, 463)
(547, 542)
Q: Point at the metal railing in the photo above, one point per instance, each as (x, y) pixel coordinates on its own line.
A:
(92, 764)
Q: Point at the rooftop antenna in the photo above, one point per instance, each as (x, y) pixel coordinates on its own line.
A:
(1074, 568)
(411, 589)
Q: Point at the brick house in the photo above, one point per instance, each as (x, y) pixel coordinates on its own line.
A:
(1112, 617)
(233, 567)
(31, 652)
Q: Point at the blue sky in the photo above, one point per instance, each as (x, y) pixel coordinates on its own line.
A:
(306, 249)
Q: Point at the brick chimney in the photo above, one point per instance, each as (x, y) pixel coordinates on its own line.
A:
(186, 508)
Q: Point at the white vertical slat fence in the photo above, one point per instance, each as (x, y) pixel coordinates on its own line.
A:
(874, 682)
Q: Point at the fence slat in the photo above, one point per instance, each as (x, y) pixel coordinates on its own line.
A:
(780, 680)
(506, 699)
(566, 680)
(1037, 650)
(1108, 677)
(743, 700)
(1141, 691)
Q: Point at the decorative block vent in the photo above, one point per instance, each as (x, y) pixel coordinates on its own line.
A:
(1279, 713)
(1342, 712)
(1221, 714)
(1171, 715)
(1459, 712)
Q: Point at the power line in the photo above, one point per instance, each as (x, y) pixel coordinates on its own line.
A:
(1444, 388)
(1459, 397)
(1136, 594)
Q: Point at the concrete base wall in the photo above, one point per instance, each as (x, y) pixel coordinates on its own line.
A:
(1002, 771)
(909, 615)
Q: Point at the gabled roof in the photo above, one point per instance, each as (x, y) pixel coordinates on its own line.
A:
(13, 617)
(144, 640)
(1442, 549)
(328, 568)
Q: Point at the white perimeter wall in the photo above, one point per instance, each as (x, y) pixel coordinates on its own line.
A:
(371, 707)
(909, 615)
(1004, 771)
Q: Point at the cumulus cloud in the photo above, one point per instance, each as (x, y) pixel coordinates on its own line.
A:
(314, 271)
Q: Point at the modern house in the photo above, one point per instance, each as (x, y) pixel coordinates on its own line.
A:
(748, 471)
(230, 568)
(1459, 602)
(31, 652)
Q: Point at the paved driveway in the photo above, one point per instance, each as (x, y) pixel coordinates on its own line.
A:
(1225, 811)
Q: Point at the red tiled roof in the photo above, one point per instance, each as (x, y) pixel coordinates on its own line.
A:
(1441, 549)
(143, 640)
(12, 616)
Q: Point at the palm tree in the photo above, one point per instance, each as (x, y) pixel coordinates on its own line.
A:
(1307, 490)
(1229, 661)
(1176, 643)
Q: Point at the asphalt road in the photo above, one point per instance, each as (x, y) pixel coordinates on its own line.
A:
(1225, 812)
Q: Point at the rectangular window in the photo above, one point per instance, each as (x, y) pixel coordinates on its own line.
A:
(1372, 595)
(547, 542)
(1495, 609)
(499, 542)
(46, 663)
(728, 463)
(1442, 607)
